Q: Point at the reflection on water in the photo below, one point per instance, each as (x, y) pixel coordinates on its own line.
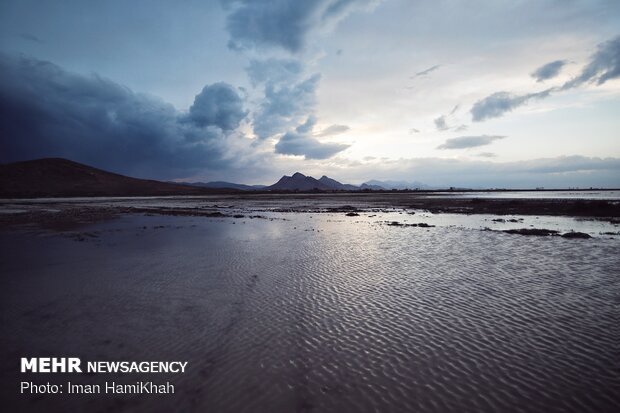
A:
(561, 224)
(566, 194)
(320, 313)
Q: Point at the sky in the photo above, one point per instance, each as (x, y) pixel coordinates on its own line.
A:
(480, 93)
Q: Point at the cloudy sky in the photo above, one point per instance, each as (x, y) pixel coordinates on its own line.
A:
(479, 93)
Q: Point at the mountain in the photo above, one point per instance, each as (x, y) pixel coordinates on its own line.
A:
(396, 184)
(337, 186)
(57, 177)
(299, 182)
(230, 185)
(371, 187)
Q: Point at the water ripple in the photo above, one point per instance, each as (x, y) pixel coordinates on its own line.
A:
(348, 318)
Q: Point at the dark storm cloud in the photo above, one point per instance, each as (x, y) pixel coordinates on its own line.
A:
(289, 95)
(282, 23)
(218, 105)
(548, 71)
(604, 65)
(300, 142)
(289, 90)
(499, 103)
(464, 142)
(284, 105)
(49, 112)
(427, 71)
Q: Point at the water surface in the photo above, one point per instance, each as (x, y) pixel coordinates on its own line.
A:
(319, 312)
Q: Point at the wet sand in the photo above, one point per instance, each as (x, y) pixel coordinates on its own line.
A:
(314, 310)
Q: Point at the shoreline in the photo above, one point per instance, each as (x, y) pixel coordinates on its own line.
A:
(569, 218)
(71, 212)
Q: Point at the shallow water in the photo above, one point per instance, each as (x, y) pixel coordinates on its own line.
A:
(565, 194)
(319, 312)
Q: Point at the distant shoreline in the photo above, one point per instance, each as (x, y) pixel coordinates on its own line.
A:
(232, 191)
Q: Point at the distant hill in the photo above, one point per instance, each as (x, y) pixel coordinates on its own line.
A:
(57, 177)
(230, 185)
(396, 185)
(335, 185)
(299, 182)
(296, 182)
(372, 187)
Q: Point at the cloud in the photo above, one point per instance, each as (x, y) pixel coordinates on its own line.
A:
(413, 130)
(486, 155)
(464, 142)
(289, 94)
(301, 143)
(31, 37)
(559, 172)
(427, 71)
(274, 70)
(564, 164)
(282, 23)
(49, 112)
(284, 105)
(499, 103)
(604, 65)
(332, 130)
(218, 105)
(548, 71)
(289, 90)
(441, 124)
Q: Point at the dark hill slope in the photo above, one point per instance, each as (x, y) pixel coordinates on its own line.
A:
(57, 177)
